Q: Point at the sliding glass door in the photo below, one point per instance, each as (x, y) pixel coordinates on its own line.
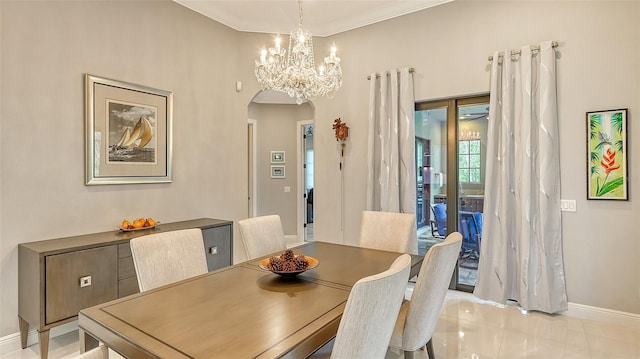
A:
(450, 162)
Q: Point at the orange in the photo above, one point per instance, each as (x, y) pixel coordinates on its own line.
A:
(126, 224)
(138, 223)
(151, 222)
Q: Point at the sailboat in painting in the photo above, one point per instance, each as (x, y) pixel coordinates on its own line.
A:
(139, 137)
(130, 147)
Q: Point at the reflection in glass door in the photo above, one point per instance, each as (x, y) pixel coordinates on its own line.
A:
(431, 163)
(452, 129)
(472, 124)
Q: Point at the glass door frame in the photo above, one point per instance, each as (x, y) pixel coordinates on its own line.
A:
(452, 129)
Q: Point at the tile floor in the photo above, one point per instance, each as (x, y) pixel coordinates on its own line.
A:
(476, 329)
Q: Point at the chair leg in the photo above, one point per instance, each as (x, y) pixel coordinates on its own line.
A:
(408, 354)
(430, 349)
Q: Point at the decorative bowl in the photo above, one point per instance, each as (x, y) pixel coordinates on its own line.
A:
(137, 229)
(264, 264)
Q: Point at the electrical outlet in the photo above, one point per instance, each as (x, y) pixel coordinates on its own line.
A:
(568, 205)
(287, 189)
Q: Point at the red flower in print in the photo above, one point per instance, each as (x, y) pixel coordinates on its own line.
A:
(609, 160)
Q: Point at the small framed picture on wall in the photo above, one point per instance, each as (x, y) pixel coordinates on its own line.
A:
(277, 156)
(277, 172)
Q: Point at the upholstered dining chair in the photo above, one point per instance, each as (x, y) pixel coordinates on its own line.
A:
(101, 352)
(389, 231)
(262, 235)
(167, 257)
(439, 221)
(418, 317)
(369, 315)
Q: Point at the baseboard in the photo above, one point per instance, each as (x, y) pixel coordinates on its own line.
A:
(603, 315)
(11, 342)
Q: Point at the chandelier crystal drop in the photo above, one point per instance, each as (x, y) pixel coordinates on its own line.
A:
(294, 71)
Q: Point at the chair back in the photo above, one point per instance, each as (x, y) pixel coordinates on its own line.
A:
(370, 313)
(440, 218)
(262, 235)
(389, 231)
(167, 257)
(430, 291)
(471, 230)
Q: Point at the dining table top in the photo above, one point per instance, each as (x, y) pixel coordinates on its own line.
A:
(241, 311)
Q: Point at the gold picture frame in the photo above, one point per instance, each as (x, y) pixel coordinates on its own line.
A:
(128, 133)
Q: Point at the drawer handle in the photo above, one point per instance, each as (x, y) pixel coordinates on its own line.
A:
(85, 281)
(213, 250)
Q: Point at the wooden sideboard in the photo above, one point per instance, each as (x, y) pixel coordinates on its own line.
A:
(59, 277)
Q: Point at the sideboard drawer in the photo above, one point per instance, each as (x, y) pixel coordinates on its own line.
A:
(126, 268)
(78, 280)
(124, 250)
(217, 246)
(128, 286)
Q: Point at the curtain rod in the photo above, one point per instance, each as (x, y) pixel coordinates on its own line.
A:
(411, 70)
(554, 44)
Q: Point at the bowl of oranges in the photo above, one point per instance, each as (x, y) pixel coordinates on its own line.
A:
(138, 224)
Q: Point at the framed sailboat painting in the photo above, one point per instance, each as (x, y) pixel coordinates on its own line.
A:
(128, 132)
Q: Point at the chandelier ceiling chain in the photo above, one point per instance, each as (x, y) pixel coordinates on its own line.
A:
(294, 71)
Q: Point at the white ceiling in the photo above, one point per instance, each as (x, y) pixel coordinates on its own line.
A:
(320, 17)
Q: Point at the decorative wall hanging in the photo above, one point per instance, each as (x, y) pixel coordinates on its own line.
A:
(607, 147)
(128, 132)
(277, 156)
(342, 132)
(278, 172)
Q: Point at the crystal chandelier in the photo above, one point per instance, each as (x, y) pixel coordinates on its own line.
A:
(294, 72)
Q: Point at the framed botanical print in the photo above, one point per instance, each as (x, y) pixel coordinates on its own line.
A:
(128, 132)
(607, 151)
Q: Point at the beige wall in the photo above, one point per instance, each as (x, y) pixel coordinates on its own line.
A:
(47, 46)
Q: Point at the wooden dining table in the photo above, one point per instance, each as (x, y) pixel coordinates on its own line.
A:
(241, 311)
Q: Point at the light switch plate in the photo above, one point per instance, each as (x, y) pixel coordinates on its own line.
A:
(568, 205)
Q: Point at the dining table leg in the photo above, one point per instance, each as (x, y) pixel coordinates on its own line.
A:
(87, 342)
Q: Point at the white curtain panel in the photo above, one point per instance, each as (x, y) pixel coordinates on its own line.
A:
(521, 250)
(391, 180)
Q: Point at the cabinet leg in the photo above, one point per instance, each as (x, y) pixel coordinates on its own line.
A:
(24, 331)
(43, 336)
(87, 342)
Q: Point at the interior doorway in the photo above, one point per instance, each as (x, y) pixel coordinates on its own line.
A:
(283, 192)
(252, 203)
(305, 180)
